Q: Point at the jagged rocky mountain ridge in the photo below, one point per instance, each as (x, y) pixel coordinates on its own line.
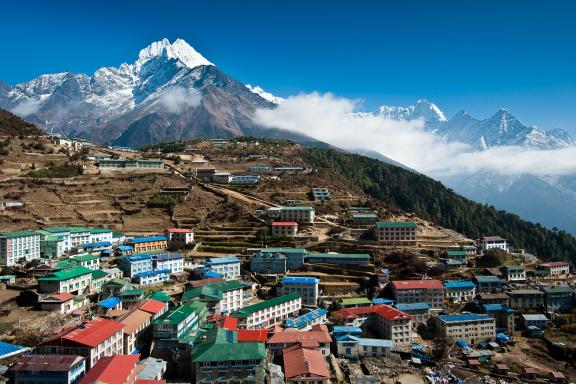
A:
(171, 92)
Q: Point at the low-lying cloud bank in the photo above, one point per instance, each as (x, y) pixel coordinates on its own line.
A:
(178, 99)
(330, 119)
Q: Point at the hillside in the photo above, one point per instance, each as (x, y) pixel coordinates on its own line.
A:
(430, 200)
(11, 125)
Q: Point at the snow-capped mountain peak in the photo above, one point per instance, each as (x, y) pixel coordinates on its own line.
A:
(265, 95)
(178, 50)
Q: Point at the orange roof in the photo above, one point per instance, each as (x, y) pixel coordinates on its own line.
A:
(152, 306)
(383, 310)
(89, 333)
(134, 319)
(230, 323)
(284, 223)
(297, 337)
(305, 362)
(414, 284)
(112, 370)
(179, 230)
(63, 296)
(252, 335)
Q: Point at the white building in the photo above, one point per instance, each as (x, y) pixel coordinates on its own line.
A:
(227, 266)
(232, 297)
(154, 277)
(394, 325)
(174, 262)
(306, 287)
(74, 280)
(179, 237)
(222, 177)
(101, 235)
(19, 245)
(268, 313)
(556, 268)
(284, 228)
(458, 291)
(493, 242)
(64, 303)
(297, 214)
(470, 327)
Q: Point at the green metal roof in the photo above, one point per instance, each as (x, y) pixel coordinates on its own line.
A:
(100, 230)
(176, 315)
(558, 289)
(67, 274)
(54, 238)
(221, 345)
(364, 216)
(131, 292)
(206, 292)
(12, 235)
(67, 229)
(283, 250)
(297, 208)
(361, 256)
(83, 258)
(514, 267)
(355, 301)
(98, 274)
(229, 285)
(396, 224)
(247, 311)
(159, 296)
(65, 264)
(455, 252)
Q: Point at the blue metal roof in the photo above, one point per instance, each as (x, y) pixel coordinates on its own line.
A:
(138, 240)
(169, 256)
(97, 244)
(373, 342)
(346, 329)
(300, 280)
(152, 273)
(143, 256)
(382, 301)
(7, 350)
(536, 317)
(212, 274)
(107, 251)
(110, 302)
(413, 307)
(464, 317)
(222, 260)
(458, 284)
(497, 308)
(305, 319)
(124, 248)
(487, 279)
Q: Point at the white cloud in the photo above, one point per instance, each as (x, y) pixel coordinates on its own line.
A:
(330, 118)
(177, 99)
(26, 108)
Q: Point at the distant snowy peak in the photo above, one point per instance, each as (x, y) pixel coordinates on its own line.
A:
(265, 95)
(179, 50)
(423, 109)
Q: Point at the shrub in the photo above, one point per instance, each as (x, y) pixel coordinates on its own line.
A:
(57, 171)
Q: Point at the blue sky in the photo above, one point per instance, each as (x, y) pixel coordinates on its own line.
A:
(472, 55)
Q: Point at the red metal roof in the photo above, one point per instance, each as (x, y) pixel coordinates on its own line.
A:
(90, 333)
(415, 284)
(230, 323)
(297, 337)
(555, 264)
(118, 369)
(391, 313)
(152, 306)
(179, 230)
(252, 335)
(383, 310)
(40, 363)
(63, 296)
(493, 238)
(305, 362)
(284, 223)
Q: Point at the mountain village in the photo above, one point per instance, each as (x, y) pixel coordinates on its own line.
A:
(234, 261)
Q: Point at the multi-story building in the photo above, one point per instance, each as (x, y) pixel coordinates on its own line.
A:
(294, 256)
(489, 284)
(470, 327)
(64, 303)
(229, 267)
(78, 235)
(232, 298)
(317, 336)
(174, 323)
(321, 194)
(130, 164)
(47, 369)
(219, 357)
(350, 345)
(114, 369)
(493, 242)
(92, 340)
(51, 246)
(179, 237)
(492, 298)
(152, 243)
(284, 228)
(306, 321)
(555, 268)
(269, 312)
(60, 232)
(157, 276)
(306, 287)
(174, 262)
(503, 314)
(339, 258)
(224, 297)
(133, 265)
(538, 320)
(393, 324)
(17, 246)
(558, 298)
(74, 280)
(305, 365)
(364, 218)
(154, 307)
(297, 214)
(396, 233)
(458, 291)
(522, 299)
(268, 263)
(222, 177)
(88, 261)
(420, 312)
(101, 235)
(514, 273)
(245, 179)
(136, 330)
(419, 291)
